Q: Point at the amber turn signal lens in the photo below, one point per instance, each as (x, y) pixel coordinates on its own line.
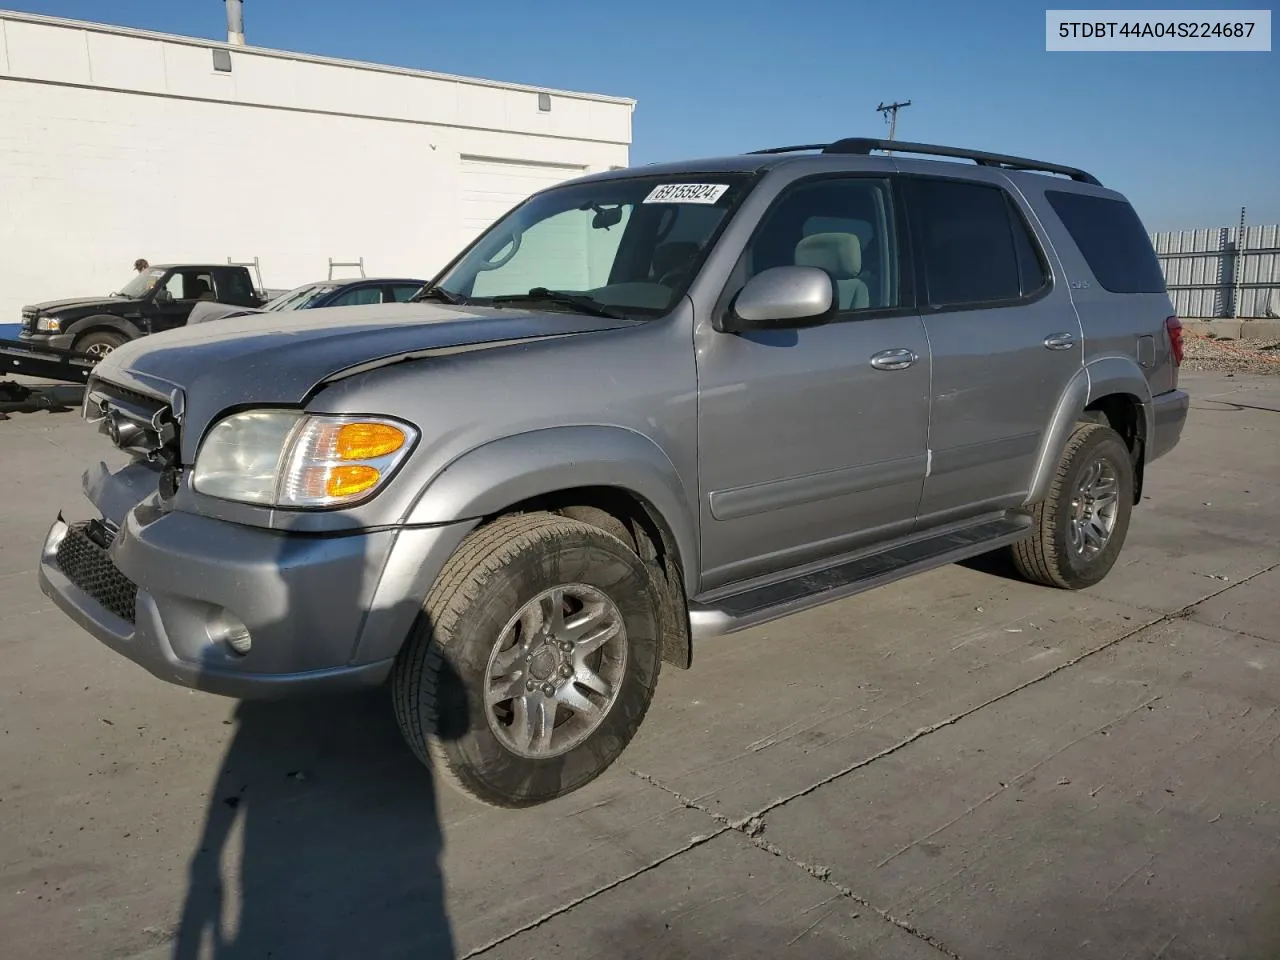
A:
(367, 441)
(348, 480)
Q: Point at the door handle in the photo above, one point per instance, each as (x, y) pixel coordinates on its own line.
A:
(898, 359)
(1059, 341)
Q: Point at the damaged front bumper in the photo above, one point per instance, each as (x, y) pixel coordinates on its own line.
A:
(172, 590)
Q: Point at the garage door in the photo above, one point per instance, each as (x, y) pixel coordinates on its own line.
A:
(491, 187)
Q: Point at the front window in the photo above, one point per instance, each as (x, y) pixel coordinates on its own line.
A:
(142, 284)
(629, 246)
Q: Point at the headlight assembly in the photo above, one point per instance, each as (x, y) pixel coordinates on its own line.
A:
(48, 325)
(288, 459)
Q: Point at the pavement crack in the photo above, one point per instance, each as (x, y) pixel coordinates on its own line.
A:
(578, 901)
(823, 874)
(753, 828)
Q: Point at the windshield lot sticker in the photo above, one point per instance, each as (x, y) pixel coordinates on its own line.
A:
(687, 193)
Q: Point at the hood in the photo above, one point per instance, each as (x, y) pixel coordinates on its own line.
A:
(280, 358)
(57, 306)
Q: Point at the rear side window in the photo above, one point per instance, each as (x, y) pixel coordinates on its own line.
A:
(235, 288)
(973, 244)
(1112, 239)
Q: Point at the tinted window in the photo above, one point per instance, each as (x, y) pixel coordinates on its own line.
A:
(360, 295)
(1113, 241)
(966, 241)
(234, 287)
(401, 293)
(846, 227)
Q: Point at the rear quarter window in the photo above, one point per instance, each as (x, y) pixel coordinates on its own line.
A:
(1112, 240)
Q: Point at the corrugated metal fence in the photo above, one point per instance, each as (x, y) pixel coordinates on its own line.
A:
(1222, 273)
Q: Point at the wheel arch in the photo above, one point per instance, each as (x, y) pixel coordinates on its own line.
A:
(1112, 391)
(103, 322)
(611, 477)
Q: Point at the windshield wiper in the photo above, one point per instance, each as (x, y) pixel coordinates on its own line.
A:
(437, 293)
(578, 301)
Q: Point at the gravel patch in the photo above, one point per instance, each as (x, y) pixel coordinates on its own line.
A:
(1224, 355)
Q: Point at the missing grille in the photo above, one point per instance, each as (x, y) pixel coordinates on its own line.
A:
(88, 566)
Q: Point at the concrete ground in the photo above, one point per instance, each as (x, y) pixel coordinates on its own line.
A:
(960, 765)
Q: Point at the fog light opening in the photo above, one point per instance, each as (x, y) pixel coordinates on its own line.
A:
(226, 628)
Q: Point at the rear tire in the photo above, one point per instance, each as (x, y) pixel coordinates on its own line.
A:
(511, 702)
(98, 343)
(1081, 526)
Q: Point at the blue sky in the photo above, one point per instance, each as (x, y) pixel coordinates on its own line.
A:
(1190, 138)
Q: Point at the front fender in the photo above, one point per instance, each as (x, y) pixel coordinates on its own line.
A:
(492, 477)
(103, 321)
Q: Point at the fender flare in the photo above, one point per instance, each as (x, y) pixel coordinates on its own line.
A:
(1100, 378)
(492, 477)
(101, 321)
(1111, 375)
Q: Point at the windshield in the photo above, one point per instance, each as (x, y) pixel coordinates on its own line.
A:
(142, 284)
(300, 297)
(632, 245)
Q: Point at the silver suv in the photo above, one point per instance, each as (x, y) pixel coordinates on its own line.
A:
(645, 407)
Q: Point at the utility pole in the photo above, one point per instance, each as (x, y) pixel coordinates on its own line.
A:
(890, 113)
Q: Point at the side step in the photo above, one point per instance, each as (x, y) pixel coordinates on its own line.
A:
(758, 605)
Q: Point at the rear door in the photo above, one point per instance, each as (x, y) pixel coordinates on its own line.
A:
(1004, 337)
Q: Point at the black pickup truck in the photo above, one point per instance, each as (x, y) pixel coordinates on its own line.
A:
(158, 298)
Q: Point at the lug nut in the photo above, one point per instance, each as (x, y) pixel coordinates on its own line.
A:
(567, 647)
(566, 671)
(548, 689)
(530, 686)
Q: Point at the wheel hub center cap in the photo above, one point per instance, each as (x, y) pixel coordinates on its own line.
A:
(544, 663)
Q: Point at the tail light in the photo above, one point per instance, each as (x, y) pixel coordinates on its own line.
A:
(1174, 326)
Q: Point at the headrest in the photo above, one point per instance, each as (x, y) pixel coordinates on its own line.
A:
(839, 254)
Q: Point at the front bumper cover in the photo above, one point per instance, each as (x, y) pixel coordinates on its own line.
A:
(324, 613)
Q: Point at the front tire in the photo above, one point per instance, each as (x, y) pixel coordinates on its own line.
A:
(534, 661)
(99, 343)
(1081, 526)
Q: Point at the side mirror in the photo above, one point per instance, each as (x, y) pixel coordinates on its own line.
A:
(783, 298)
(163, 295)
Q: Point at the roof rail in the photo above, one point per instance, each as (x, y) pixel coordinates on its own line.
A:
(864, 146)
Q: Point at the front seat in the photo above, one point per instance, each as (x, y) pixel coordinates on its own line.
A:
(840, 254)
(200, 290)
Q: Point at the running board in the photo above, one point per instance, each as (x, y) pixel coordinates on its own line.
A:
(773, 601)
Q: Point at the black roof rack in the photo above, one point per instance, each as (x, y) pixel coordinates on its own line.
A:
(864, 146)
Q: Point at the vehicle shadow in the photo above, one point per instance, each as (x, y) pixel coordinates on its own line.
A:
(29, 398)
(321, 840)
(997, 563)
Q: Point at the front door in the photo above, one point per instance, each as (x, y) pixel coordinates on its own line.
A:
(183, 289)
(1005, 340)
(813, 442)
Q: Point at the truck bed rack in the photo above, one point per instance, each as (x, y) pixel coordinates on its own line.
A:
(864, 146)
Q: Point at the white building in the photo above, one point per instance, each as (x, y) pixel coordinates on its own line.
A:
(117, 144)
